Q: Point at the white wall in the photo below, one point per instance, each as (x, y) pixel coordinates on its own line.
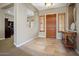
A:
(55, 11)
(3, 15)
(22, 32)
(2, 25)
(77, 26)
(10, 17)
(9, 10)
(9, 13)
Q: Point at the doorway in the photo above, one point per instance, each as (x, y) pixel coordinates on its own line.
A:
(9, 28)
(51, 26)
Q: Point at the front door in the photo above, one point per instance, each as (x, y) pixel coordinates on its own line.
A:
(51, 26)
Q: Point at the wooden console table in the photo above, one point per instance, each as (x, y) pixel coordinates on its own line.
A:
(69, 39)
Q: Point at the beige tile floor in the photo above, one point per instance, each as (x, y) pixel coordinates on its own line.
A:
(37, 47)
(8, 49)
(47, 47)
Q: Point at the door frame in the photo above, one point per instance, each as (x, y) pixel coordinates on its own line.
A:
(56, 22)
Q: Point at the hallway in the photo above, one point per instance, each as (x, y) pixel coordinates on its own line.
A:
(37, 47)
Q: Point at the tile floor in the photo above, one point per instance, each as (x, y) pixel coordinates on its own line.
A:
(47, 47)
(8, 49)
(37, 47)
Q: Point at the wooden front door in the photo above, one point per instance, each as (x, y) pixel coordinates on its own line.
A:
(51, 26)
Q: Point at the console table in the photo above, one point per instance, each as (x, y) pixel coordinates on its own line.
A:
(69, 39)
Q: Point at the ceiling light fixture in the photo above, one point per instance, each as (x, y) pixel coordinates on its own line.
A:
(48, 4)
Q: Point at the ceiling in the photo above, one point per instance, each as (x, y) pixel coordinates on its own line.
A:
(41, 6)
(9, 9)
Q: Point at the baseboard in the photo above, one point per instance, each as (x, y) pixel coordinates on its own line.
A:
(2, 38)
(24, 42)
(77, 51)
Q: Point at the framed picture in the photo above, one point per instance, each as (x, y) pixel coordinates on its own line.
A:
(30, 21)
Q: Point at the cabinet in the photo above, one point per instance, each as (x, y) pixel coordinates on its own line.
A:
(69, 39)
